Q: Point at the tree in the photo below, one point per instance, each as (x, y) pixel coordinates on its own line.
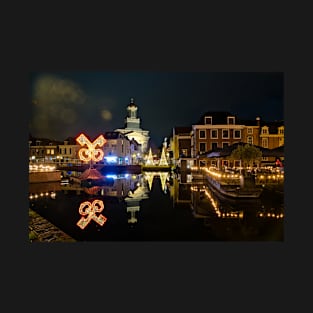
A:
(247, 154)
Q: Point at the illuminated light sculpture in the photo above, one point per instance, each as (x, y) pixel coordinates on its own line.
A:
(163, 160)
(150, 158)
(91, 153)
(90, 209)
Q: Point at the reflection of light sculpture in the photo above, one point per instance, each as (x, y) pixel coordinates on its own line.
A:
(90, 209)
(90, 153)
(163, 177)
(149, 177)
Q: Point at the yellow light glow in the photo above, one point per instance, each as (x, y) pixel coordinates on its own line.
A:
(91, 152)
(90, 209)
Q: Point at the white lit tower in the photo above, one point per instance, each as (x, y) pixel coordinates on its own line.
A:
(132, 127)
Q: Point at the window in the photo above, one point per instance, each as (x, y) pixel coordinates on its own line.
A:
(208, 120)
(184, 152)
(202, 147)
(250, 131)
(264, 142)
(48, 151)
(264, 130)
(225, 133)
(250, 140)
(264, 158)
(281, 131)
(237, 134)
(202, 134)
(230, 120)
(225, 144)
(214, 145)
(214, 133)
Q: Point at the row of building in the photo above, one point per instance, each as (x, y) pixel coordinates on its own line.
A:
(191, 144)
(200, 143)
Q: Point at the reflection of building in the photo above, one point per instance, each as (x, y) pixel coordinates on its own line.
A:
(133, 200)
(121, 186)
(181, 192)
(132, 127)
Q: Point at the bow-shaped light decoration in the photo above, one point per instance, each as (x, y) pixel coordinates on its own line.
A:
(90, 153)
(90, 209)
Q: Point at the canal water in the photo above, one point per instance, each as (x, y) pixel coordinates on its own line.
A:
(156, 206)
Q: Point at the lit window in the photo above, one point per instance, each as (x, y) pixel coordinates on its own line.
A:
(264, 130)
(264, 142)
(250, 140)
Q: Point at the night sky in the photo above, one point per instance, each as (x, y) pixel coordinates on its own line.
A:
(63, 104)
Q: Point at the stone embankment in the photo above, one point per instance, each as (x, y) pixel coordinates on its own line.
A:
(41, 230)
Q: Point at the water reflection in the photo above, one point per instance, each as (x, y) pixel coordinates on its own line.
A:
(90, 210)
(156, 206)
(234, 219)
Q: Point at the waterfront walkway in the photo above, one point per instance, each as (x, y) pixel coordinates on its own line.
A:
(41, 230)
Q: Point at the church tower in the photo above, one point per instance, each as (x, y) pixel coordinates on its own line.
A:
(132, 121)
(132, 128)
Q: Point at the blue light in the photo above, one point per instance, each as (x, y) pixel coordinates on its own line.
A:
(111, 159)
(111, 176)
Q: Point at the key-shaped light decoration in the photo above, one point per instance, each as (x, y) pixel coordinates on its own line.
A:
(89, 210)
(91, 153)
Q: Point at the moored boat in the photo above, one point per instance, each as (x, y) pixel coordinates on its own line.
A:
(233, 188)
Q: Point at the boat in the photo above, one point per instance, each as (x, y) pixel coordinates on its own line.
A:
(234, 191)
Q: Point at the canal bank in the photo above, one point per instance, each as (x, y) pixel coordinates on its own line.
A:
(41, 230)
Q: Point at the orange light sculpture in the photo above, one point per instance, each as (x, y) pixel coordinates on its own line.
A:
(90, 209)
(91, 153)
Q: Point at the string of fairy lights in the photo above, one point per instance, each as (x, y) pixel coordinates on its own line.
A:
(237, 214)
